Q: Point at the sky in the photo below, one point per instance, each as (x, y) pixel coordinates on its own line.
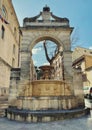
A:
(79, 12)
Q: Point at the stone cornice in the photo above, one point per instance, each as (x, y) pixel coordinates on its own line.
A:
(46, 27)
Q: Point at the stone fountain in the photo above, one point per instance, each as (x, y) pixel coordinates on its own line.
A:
(46, 99)
(46, 69)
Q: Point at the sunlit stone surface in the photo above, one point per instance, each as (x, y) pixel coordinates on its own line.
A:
(46, 99)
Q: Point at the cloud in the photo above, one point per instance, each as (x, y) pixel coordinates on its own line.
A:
(90, 47)
(34, 62)
(46, 63)
(36, 50)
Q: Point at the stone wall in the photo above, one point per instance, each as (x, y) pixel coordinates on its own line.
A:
(4, 78)
(14, 84)
(9, 44)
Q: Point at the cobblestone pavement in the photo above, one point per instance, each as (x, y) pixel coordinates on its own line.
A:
(83, 123)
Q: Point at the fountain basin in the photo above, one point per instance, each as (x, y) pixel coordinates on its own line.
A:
(50, 88)
(45, 100)
(43, 115)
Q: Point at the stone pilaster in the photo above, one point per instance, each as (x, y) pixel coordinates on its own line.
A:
(14, 81)
(67, 68)
(25, 65)
(78, 86)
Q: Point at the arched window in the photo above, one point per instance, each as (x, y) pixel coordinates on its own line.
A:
(4, 12)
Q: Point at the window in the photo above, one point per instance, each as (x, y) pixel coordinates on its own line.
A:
(2, 32)
(13, 62)
(13, 48)
(15, 32)
(4, 12)
(84, 77)
(59, 65)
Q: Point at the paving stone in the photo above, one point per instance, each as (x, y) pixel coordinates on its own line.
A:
(83, 123)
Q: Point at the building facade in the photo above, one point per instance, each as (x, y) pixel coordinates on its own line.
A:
(57, 63)
(82, 58)
(9, 43)
(80, 51)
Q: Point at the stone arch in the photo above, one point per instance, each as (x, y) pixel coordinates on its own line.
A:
(45, 37)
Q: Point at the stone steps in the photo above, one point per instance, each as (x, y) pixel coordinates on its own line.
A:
(43, 115)
(3, 105)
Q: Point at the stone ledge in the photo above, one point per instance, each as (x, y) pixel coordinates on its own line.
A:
(43, 115)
